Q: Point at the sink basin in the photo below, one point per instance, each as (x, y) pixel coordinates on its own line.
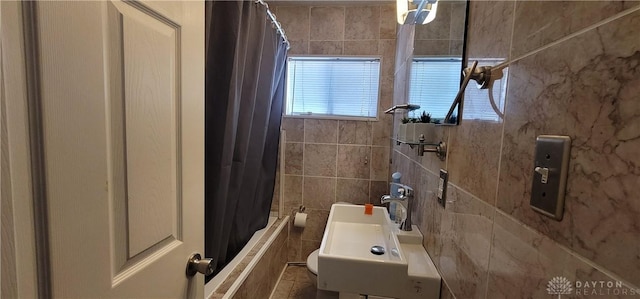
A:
(347, 263)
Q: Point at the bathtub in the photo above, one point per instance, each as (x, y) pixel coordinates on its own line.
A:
(223, 277)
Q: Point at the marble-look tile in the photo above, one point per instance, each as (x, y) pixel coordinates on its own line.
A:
(473, 156)
(465, 243)
(362, 22)
(283, 289)
(354, 161)
(431, 47)
(440, 27)
(376, 190)
(490, 27)
(320, 159)
(388, 21)
(328, 23)
(585, 88)
(292, 192)
(361, 47)
(538, 25)
(319, 193)
(294, 128)
(320, 131)
(326, 47)
(379, 163)
(293, 158)
(354, 132)
(522, 262)
(316, 221)
(353, 191)
(295, 21)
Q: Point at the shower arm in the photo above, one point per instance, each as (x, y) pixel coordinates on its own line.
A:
(458, 98)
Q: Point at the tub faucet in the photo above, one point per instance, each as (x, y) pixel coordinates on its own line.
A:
(405, 199)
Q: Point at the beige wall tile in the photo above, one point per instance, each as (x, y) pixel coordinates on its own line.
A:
(319, 193)
(388, 21)
(294, 128)
(387, 48)
(294, 21)
(432, 47)
(362, 22)
(298, 47)
(381, 131)
(458, 12)
(352, 190)
(328, 23)
(361, 47)
(316, 221)
(320, 159)
(380, 163)
(354, 132)
(320, 131)
(292, 192)
(440, 27)
(376, 190)
(326, 47)
(353, 161)
(293, 158)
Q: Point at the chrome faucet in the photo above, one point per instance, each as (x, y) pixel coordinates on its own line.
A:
(405, 199)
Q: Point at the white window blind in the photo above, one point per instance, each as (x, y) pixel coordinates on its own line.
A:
(477, 103)
(434, 83)
(333, 86)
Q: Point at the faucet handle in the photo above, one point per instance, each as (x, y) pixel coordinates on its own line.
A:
(403, 189)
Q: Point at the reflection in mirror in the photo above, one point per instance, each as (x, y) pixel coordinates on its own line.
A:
(437, 61)
(476, 106)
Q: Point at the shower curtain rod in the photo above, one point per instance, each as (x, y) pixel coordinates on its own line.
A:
(275, 22)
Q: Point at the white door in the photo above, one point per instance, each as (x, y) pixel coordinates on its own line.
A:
(122, 91)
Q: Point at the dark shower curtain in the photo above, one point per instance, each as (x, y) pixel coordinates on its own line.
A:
(244, 91)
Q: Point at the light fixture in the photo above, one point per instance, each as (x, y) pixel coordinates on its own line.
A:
(416, 11)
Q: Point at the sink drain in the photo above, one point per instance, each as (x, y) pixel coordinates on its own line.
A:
(377, 250)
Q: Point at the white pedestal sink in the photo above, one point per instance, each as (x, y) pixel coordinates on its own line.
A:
(347, 264)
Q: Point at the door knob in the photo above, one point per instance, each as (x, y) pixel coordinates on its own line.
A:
(197, 264)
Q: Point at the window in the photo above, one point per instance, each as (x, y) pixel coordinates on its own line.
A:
(486, 104)
(333, 86)
(434, 84)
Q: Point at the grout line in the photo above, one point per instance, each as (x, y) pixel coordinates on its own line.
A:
(568, 37)
(568, 250)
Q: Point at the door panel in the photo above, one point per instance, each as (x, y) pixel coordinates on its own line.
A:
(122, 93)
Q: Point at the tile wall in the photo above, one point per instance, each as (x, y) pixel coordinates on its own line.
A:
(576, 73)
(336, 160)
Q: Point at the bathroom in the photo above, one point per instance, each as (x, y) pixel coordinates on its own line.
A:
(570, 68)
(574, 73)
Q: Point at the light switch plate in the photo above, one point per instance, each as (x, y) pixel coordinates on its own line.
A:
(550, 175)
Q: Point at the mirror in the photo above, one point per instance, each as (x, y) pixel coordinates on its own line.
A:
(433, 61)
